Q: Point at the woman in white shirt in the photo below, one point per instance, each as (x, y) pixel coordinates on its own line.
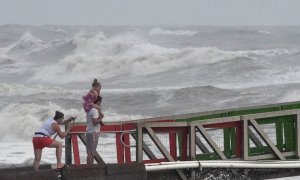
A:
(42, 138)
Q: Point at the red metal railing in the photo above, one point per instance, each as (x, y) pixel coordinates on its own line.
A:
(123, 149)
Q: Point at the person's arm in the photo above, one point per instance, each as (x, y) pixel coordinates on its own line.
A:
(101, 116)
(98, 120)
(95, 106)
(95, 121)
(96, 117)
(56, 128)
(68, 120)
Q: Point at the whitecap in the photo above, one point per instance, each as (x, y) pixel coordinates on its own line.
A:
(177, 32)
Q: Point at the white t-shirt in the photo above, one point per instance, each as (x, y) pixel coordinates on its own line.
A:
(46, 127)
(92, 114)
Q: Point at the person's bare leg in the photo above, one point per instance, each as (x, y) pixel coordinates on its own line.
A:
(58, 147)
(90, 159)
(37, 159)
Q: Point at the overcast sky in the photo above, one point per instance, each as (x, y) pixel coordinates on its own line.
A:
(150, 12)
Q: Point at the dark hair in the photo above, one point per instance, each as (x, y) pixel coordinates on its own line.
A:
(58, 115)
(96, 83)
(99, 99)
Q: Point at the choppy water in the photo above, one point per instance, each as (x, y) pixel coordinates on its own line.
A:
(144, 71)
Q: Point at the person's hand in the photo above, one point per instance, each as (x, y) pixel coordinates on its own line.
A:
(72, 118)
(101, 123)
(101, 115)
(69, 128)
(98, 108)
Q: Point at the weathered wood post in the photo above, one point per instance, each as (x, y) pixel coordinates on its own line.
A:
(68, 148)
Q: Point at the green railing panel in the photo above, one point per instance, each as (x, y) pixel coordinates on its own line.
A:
(290, 106)
(289, 133)
(227, 141)
(279, 134)
(179, 140)
(253, 111)
(284, 133)
(259, 150)
(245, 111)
(233, 141)
(267, 120)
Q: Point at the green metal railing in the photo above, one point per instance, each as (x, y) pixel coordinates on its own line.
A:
(284, 128)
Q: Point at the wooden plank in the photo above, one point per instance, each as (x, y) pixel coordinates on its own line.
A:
(163, 150)
(222, 125)
(201, 145)
(271, 114)
(217, 120)
(192, 147)
(270, 156)
(139, 144)
(166, 124)
(146, 149)
(268, 141)
(68, 148)
(245, 140)
(214, 146)
(97, 157)
(254, 139)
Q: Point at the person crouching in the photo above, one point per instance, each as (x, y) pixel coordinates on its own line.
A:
(42, 138)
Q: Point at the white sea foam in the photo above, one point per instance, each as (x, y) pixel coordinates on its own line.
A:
(265, 32)
(24, 90)
(130, 54)
(179, 32)
(290, 96)
(27, 44)
(20, 121)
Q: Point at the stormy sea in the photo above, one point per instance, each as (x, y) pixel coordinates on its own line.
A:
(144, 72)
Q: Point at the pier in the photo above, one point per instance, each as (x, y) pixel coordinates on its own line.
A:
(176, 147)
